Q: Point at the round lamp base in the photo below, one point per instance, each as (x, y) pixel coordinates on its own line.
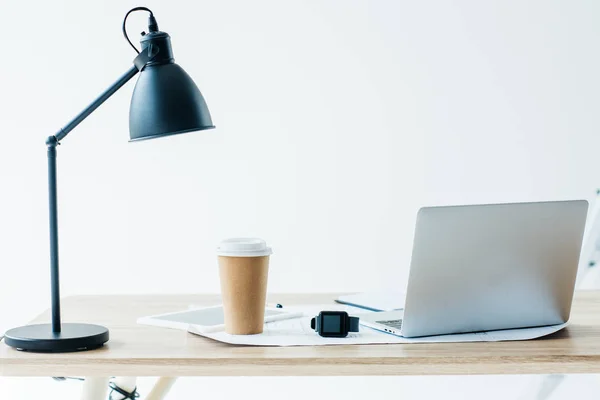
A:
(73, 337)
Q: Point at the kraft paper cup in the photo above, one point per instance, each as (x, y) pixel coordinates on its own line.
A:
(244, 271)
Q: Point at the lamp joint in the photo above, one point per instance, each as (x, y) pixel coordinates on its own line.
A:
(52, 141)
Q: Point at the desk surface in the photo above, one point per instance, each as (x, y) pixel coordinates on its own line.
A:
(136, 350)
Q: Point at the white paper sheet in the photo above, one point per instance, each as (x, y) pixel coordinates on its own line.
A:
(297, 332)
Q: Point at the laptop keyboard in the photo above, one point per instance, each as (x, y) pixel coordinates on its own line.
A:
(394, 323)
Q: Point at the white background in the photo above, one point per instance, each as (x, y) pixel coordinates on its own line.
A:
(336, 120)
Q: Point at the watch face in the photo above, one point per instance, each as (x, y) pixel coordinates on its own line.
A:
(333, 324)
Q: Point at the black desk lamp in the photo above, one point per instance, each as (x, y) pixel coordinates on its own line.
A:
(165, 101)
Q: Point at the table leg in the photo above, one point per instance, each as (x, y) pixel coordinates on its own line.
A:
(95, 388)
(161, 388)
(549, 385)
(127, 383)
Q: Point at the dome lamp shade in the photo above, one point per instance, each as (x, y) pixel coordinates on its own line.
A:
(165, 101)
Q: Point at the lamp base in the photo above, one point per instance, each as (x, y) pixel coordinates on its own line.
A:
(73, 337)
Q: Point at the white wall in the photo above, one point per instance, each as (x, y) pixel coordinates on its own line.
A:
(335, 120)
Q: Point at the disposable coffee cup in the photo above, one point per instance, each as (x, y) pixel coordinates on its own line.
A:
(244, 271)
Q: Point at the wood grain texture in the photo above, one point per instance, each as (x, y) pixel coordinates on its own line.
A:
(136, 350)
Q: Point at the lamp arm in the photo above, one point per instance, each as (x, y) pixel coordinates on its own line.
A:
(139, 63)
(52, 142)
(94, 105)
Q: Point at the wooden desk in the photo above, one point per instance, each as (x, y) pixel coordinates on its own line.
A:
(136, 350)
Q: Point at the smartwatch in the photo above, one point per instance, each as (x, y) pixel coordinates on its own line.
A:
(334, 324)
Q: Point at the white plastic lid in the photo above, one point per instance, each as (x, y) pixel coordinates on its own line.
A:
(244, 247)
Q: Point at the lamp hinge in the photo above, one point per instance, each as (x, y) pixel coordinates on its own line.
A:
(145, 56)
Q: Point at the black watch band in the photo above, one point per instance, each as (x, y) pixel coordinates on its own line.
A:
(353, 324)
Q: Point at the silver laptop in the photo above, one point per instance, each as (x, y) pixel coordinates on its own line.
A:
(489, 267)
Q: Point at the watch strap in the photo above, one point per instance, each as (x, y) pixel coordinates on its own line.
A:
(353, 323)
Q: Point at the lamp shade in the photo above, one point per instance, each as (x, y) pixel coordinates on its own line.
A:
(165, 101)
